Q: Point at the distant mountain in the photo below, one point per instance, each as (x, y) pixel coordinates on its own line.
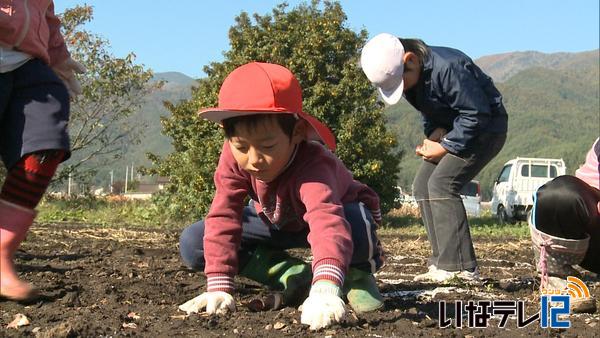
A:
(176, 87)
(503, 66)
(174, 77)
(174, 81)
(553, 107)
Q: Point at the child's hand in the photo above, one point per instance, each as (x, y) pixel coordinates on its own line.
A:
(431, 151)
(218, 302)
(323, 306)
(418, 150)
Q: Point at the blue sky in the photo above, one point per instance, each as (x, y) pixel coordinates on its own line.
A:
(185, 35)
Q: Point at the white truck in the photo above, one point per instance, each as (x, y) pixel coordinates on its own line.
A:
(518, 180)
(471, 197)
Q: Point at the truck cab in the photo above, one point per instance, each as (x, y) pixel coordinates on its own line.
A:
(517, 182)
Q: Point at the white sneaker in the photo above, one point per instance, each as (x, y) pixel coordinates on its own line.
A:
(438, 275)
(469, 276)
(427, 276)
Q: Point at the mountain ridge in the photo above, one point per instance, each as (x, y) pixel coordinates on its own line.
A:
(503, 66)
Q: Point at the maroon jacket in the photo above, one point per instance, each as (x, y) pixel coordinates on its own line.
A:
(310, 193)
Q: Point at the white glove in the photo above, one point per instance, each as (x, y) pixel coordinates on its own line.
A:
(218, 302)
(323, 306)
(66, 72)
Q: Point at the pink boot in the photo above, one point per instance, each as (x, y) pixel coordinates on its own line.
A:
(14, 223)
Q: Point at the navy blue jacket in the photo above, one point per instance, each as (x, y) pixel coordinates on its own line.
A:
(454, 94)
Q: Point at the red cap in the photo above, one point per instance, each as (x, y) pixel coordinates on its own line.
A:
(264, 88)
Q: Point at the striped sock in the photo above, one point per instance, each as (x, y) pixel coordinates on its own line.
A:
(28, 180)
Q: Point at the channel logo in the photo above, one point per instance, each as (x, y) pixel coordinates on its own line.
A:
(556, 302)
(555, 309)
(576, 288)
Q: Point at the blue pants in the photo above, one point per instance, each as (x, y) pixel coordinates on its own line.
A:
(34, 112)
(367, 255)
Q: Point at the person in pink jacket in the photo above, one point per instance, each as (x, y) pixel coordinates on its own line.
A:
(301, 195)
(37, 75)
(565, 227)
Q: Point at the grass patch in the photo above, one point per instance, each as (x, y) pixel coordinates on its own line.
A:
(487, 226)
(104, 212)
(481, 227)
(137, 213)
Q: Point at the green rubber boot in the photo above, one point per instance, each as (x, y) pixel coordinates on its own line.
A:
(280, 271)
(362, 291)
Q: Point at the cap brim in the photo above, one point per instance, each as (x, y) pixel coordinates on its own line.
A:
(319, 131)
(394, 95)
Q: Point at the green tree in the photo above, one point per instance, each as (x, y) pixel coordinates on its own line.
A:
(113, 89)
(313, 41)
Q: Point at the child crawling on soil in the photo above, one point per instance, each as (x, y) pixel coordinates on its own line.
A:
(301, 195)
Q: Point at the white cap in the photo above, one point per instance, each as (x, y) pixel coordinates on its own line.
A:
(382, 61)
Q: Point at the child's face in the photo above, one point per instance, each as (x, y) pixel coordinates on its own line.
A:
(265, 150)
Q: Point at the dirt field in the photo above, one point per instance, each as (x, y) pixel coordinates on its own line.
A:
(116, 282)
